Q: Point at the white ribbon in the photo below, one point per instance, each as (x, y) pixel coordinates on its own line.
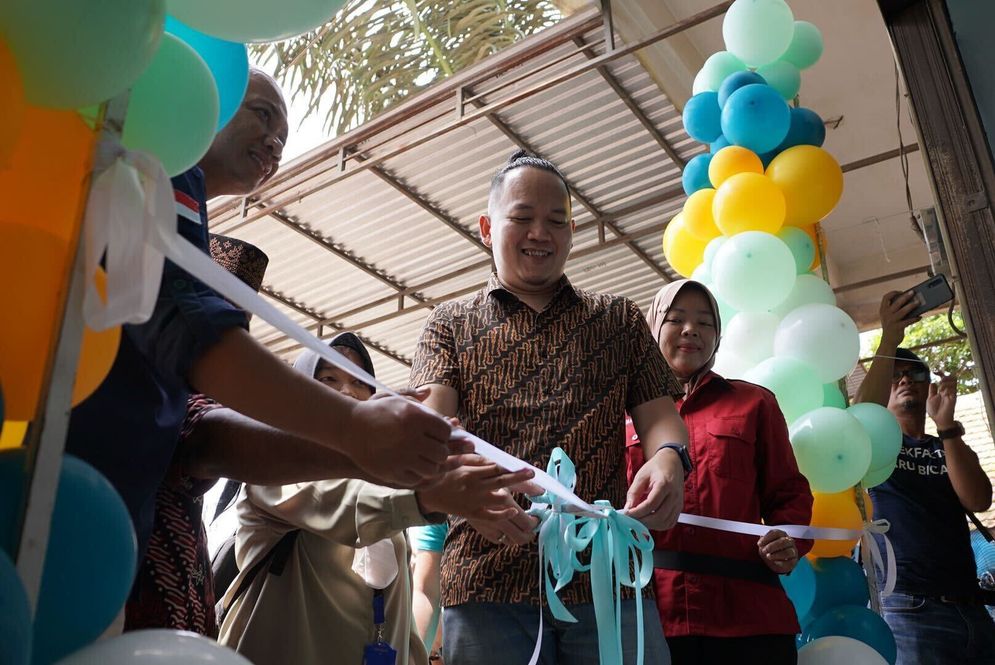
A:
(129, 199)
(887, 564)
(131, 216)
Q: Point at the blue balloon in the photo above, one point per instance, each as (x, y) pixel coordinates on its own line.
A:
(737, 80)
(91, 558)
(806, 128)
(695, 174)
(718, 144)
(756, 117)
(228, 62)
(15, 616)
(703, 117)
(800, 585)
(857, 622)
(839, 580)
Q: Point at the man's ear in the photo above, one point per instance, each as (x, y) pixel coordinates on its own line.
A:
(485, 229)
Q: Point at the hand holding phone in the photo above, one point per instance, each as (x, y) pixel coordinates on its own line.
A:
(930, 294)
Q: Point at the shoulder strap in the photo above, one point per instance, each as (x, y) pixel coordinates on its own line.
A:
(985, 533)
(276, 559)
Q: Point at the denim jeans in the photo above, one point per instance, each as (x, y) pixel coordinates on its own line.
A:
(505, 634)
(931, 632)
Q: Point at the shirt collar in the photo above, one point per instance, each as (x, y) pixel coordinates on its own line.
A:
(563, 287)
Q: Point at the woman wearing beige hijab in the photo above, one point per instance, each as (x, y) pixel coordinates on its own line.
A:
(717, 592)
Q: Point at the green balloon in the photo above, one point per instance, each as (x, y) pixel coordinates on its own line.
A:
(712, 248)
(801, 246)
(808, 290)
(783, 77)
(758, 31)
(753, 271)
(173, 109)
(884, 430)
(823, 336)
(806, 46)
(72, 53)
(716, 68)
(254, 20)
(875, 477)
(832, 396)
(832, 449)
(795, 385)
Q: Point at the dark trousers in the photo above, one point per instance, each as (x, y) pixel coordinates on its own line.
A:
(759, 649)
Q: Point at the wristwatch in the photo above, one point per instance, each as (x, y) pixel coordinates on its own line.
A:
(682, 452)
(954, 432)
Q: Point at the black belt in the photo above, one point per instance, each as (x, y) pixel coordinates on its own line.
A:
(708, 564)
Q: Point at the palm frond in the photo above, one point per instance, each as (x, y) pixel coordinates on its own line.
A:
(375, 53)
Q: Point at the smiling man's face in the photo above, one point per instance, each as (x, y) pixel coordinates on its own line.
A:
(247, 151)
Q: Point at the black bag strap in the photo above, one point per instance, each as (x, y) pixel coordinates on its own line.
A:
(985, 532)
(275, 559)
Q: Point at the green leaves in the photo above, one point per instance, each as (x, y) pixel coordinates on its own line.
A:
(375, 53)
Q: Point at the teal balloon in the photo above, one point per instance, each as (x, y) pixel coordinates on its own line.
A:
(806, 46)
(838, 581)
(72, 54)
(91, 557)
(254, 20)
(821, 335)
(15, 616)
(756, 117)
(808, 290)
(173, 110)
(801, 246)
(753, 271)
(832, 449)
(856, 622)
(884, 430)
(702, 117)
(805, 128)
(795, 385)
(716, 69)
(799, 586)
(875, 477)
(832, 396)
(228, 62)
(735, 81)
(758, 31)
(712, 248)
(718, 144)
(695, 174)
(783, 77)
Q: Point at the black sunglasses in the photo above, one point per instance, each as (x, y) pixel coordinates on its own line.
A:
(915, 375)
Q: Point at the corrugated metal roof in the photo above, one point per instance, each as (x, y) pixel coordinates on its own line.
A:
(581, 124)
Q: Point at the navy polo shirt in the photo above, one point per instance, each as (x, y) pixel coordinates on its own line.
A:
(928, 525)
(129, 427)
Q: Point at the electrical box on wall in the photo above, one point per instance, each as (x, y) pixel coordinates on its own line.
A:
(929, 224)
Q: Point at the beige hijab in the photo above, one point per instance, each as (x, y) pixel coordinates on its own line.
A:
(662, 303)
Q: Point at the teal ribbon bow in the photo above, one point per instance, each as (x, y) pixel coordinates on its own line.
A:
(621, 555)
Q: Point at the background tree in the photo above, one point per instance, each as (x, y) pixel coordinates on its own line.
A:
(374, 53)
(950, 357)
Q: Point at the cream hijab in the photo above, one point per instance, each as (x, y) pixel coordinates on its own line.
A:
(662, 303)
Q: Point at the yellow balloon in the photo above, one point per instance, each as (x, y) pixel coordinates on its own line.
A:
(683, 251)
(748, 202)
(12, 433)
(697, 215)
(96, 353)
(731, 160)
(839, 511)
(811, 180)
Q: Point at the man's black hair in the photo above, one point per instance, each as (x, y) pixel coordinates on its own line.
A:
(521, 159)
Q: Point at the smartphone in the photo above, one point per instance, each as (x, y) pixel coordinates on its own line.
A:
(930, 294)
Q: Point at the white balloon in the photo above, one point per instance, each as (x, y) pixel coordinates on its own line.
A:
(750, 337)
(839, 650)
(753, 271)
(822, 336)
(155, 647)
(729, 366)
(808, 290)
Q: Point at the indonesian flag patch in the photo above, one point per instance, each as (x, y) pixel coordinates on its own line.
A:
(187, 207)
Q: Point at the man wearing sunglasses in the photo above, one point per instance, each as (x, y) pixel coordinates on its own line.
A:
(936, 612)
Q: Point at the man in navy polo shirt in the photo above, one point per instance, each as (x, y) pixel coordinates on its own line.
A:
(936, 612)
(195, 340)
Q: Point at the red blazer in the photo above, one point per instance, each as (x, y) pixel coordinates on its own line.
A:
(744, 469)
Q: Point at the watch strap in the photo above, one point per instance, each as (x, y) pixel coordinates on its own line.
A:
(954, 432)
(682, 452)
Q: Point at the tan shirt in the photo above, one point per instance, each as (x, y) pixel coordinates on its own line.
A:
(318, 611)
(530, 381)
